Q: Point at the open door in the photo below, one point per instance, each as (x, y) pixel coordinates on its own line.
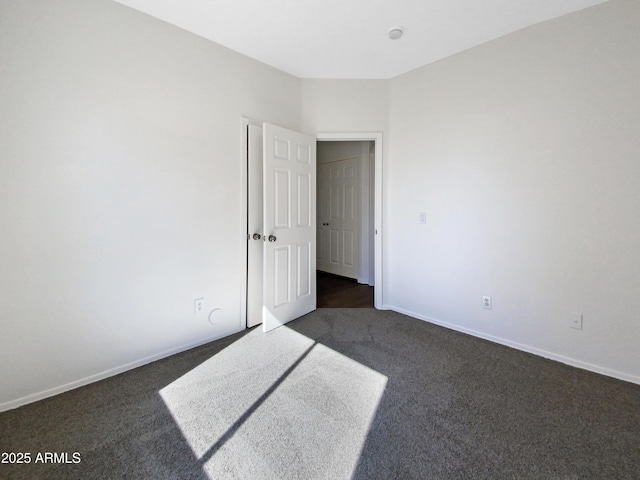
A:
(289, 202)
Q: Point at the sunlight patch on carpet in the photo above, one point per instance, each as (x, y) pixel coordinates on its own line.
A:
(276, 405)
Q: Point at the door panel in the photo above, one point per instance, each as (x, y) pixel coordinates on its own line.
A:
(334, 246)
(282, 260)
(289, 225)
(282, 191)
(349, 202)
(305, 154)
(304, 196)
(304, 270)
(348, 248)
(334, 200)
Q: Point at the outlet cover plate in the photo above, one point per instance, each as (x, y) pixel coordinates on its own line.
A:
(198, 305)
(487, 303)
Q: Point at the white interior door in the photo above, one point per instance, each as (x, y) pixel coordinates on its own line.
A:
(339, 218)
(255, 244)
(289, 271)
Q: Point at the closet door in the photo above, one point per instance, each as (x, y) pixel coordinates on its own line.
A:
(289, 225)
(339, 217)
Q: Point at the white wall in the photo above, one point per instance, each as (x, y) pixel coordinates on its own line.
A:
(345, 105)
(524, 153)
(120, 183)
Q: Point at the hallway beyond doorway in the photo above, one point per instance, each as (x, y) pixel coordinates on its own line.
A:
(340, 292)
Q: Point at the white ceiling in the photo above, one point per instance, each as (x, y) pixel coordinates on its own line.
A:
(348, 38)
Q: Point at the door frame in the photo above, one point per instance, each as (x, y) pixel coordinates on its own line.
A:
(255, 223)
(244, 219)
(375, 137)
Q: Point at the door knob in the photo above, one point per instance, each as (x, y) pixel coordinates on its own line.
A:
(272, 238)
(256, 236)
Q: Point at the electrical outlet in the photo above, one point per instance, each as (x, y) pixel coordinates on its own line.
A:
(487, 303)
(423, 217)
(198, 304)
(575, 321)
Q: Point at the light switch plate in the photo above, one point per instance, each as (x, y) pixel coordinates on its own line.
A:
(575, 321)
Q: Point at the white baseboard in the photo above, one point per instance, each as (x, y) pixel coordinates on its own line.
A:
(100, 376)
(138, 363)
(519, 346)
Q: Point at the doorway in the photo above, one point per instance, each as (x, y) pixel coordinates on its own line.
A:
(375, 201)
(345, 219)
(376, 138)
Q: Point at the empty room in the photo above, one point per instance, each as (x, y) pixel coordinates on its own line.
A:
(179, 178)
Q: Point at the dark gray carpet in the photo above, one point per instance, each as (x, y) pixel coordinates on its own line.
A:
(339, 393)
